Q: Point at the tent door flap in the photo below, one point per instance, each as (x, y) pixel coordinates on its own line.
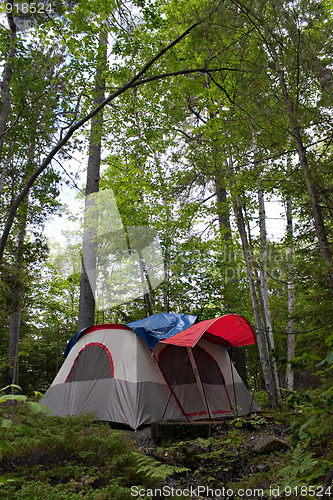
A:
(198, 380)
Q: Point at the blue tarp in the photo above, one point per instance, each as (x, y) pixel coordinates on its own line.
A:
(152, 329)
(72, 342)
(161, 326)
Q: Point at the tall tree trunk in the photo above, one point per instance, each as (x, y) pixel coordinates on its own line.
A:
(14, 338)
(87, 289)
(303, 159)
(5, 84)
(238, 354)
(166, 289)
(264, 291)
(148, 295)
(168, 238)
(17, 294)
(146, 285)
(291, 298)
(222, 210)
(261, 337)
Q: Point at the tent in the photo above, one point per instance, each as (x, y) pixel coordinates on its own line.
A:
(111, 371)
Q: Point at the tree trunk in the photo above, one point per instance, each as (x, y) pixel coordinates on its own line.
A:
(261, 338)
(222, 210)
(6, 78)
(87, 288)
(166, 289)
(291, 298)
(264, 292)
(238, 355)
(16, 315)
(314, 197)
(14, 341)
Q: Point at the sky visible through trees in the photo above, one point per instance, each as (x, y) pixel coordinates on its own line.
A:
(206, 121)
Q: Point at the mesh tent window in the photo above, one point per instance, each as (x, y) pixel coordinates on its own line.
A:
(93, 362)
(176, 367)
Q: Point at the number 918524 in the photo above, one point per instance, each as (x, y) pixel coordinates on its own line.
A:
(28, 8)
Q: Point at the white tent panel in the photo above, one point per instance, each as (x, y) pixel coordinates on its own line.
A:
(110, 371)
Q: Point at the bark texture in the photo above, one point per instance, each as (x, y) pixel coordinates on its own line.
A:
(291, 298)
(87, 287)
(6, 79)
(261, 338)
(17, 295)
(264, 293)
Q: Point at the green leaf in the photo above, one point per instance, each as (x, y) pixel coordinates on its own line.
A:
(38, 407)
(11, 386)
(6, 423)
(12, 397)
(328, 359)
(307, 423)
(4, 480)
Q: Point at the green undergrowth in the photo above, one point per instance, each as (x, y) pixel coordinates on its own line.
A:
(227, 458)
(52, 458)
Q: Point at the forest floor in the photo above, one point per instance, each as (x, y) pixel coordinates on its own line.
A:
(50, 458)
(248, 457)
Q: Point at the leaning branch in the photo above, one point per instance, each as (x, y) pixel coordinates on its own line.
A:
(134, 82)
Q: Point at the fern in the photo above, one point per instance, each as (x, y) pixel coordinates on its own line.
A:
(301, 464)
(154, 469)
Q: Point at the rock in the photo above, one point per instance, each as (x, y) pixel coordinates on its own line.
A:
(265, 444)
(263, 468)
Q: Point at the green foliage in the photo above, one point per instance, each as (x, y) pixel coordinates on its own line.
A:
(261, 398)
(254, 421)
(314, 409)
(72, 456)
(316, 412)
(22, 428)
(303, 469)
(68, 458)
(157, 471)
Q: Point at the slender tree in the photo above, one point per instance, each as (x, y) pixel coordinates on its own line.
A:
(5, 84)
(291, 297)
(17, 295)
(264, 292)
(89, 243)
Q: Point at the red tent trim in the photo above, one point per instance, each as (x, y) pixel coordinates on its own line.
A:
(89, 345)
(231, 330)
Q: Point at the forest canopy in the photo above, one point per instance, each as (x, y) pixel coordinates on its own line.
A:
(195, 116)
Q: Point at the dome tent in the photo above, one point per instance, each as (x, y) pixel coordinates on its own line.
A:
(187, 375)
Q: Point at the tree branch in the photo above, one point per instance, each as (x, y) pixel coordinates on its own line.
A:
(135, 81)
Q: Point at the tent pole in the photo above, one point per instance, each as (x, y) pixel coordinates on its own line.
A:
(233, 383)
(198, 380)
